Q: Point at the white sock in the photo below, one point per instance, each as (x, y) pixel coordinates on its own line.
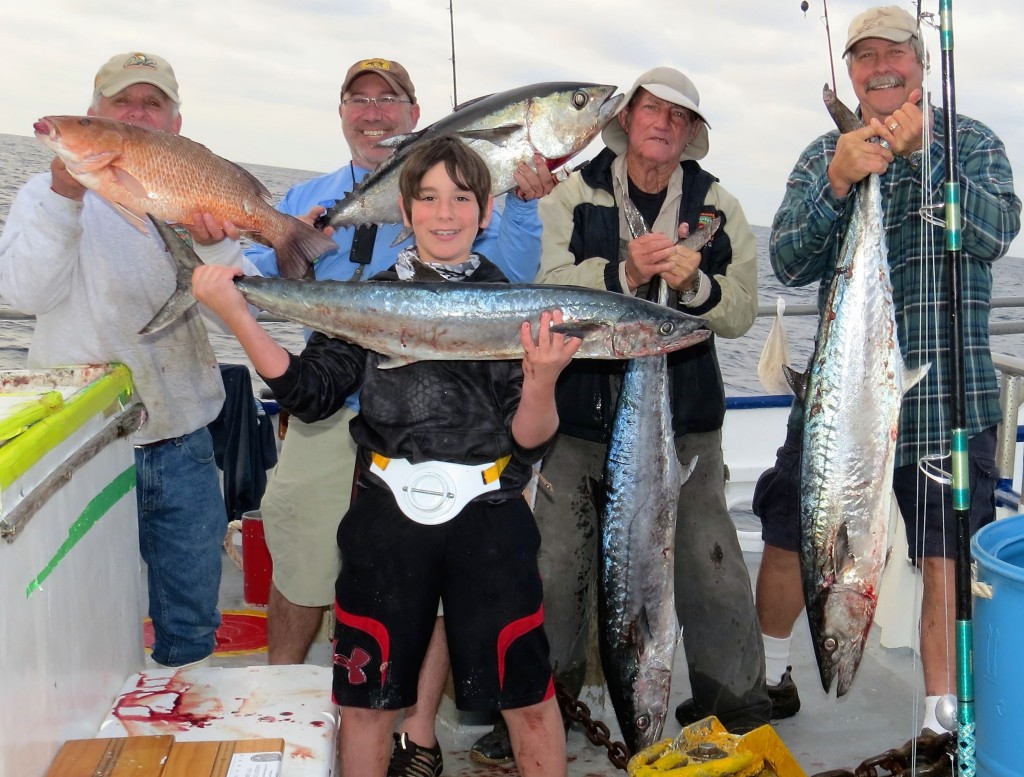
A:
(776, 658)
(930, 720)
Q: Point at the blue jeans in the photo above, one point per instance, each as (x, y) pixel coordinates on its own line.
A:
(182, 522)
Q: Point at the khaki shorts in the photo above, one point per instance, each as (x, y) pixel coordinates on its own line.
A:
(306, 497)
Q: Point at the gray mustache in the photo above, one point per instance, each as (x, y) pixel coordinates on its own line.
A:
(885, 82)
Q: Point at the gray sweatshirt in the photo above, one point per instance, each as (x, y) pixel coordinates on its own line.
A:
(93, 281)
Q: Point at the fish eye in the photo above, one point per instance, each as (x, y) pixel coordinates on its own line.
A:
(85, 122)
(666, 328)
(580, 99)
(830, 644)
(643, 722)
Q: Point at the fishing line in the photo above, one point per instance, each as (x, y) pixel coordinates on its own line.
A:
(933, 453)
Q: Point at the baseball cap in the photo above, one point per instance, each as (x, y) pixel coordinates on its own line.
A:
(392, 72)
(668, 84)
(135, 67)
(889, 22)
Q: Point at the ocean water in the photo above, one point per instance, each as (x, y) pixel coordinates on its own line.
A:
(22, 157)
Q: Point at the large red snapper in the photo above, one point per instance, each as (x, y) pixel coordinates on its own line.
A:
(142, 170)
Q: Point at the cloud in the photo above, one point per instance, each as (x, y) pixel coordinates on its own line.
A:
(260, 78)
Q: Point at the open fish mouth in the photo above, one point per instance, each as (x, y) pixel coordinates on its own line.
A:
(43, 128)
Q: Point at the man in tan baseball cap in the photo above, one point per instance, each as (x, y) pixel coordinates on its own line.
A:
(135, 67)
(890, 23)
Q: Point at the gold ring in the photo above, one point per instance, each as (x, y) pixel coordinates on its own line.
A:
(893, 127)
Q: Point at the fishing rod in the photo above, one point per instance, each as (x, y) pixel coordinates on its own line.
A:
(965, 765)
(451, 23)
(804, 5)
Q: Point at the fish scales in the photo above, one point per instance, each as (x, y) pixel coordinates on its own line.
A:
(141, 170)
(636, 601)
(636, 578)
(413, 321)
(855, 388)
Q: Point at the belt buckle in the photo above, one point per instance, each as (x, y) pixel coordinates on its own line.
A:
(432, 492)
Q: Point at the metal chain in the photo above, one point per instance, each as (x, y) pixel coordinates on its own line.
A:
(597, 731)
(929, 755)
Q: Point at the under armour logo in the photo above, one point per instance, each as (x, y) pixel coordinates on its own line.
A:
(354, 664)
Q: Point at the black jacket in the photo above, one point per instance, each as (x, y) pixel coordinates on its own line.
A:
(456, 411)
(584, 393)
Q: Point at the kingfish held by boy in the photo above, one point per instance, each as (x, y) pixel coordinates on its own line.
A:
(556, 120)
(855, 387)
(412, 321)
(140, 170)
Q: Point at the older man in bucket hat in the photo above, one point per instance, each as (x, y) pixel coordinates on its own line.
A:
(653, 145)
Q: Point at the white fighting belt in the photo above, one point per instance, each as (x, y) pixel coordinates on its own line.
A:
(433, 492)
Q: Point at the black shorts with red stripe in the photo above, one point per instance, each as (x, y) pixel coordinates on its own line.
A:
(482, 564)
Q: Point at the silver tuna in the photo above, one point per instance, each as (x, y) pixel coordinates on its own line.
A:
(556, 120)
(413, 321)
(855, 388)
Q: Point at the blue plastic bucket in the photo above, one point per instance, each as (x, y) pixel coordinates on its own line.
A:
(998, 645)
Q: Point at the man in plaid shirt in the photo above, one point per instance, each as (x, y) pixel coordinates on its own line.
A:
(886, 62)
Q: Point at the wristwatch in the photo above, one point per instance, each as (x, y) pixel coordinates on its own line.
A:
(686, 297)
(914, 159)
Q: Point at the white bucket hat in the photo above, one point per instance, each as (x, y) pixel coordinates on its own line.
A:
(668, 84)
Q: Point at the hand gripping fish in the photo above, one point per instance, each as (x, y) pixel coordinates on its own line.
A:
(413, 321)
(638, 629)
(855, 387)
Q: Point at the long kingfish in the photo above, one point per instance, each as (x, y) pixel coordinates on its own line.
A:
(413, 321)
(638, 629)
(855, 387)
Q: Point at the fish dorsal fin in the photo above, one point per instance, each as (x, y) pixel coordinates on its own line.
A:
(397, 140)
(912, 377)
(468, 103)
(261, 188)
(685, 470)
(797, 381)
(498, 136)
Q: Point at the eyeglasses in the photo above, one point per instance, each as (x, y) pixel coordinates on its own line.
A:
(381, 103)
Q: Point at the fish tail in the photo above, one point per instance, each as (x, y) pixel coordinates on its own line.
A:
(185, 261)
(300, 247)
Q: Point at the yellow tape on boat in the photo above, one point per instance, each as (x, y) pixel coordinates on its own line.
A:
(22, 416)
(107, 394)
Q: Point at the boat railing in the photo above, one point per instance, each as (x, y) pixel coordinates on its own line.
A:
(1011, 370)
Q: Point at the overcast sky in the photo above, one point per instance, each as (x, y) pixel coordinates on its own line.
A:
(259, 78)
